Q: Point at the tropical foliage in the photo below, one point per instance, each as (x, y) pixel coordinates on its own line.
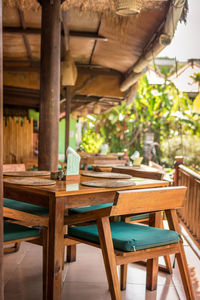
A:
(160, 109)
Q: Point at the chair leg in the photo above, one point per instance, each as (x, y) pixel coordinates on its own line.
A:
(168, 268)
(109, 257)
(71, 253)
(123, 276)
(156, 220)
(181, 258)
(45, 238)
(185, 275)
(152, 274)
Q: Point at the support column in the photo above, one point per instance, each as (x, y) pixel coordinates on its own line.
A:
(68, 96)
(1, 158)
(49, 85)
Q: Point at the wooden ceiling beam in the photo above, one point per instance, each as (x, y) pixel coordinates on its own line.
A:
(21, 65)
(88, 35)
(99, 70)
(21, 97)
(82, 98)
(26, 66)
(21, 30)
(37, 31)
(28, 102)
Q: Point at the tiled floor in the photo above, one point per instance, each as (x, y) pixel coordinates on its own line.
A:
(85, 279)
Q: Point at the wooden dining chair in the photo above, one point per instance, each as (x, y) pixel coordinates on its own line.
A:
(25, 214)
(122, 243)
(15, 233)
(145, 218)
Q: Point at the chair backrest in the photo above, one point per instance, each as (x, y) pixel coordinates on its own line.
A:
(13, 167)
(148, 200)
(136, 201)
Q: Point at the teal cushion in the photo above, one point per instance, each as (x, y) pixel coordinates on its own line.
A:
(15, 232)
(139, 217)
(84, 209)
(128, 237)
(25, 207)
(89, 167)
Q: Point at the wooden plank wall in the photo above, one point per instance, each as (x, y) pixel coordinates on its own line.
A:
(17, 140)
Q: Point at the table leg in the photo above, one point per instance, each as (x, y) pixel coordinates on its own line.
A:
(56, 244)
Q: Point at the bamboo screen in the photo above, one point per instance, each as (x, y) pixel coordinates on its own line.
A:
(17, 140)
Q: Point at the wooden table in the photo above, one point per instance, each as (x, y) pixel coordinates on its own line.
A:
(58, 199)
(141, 171)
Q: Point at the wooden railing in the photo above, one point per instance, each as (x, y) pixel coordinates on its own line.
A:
(190, 214)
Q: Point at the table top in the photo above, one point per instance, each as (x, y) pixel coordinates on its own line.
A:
(74, 187)
(142, 168)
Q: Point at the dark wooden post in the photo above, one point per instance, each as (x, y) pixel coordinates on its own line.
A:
(1, 158)
(68, 96)
(177, 163)
(49, 85)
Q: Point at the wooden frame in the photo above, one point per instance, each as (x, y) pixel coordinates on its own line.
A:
(168, 199)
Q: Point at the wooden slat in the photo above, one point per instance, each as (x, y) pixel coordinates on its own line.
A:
(151, 200)
(190, 214)
(198, 211)
(18, 140)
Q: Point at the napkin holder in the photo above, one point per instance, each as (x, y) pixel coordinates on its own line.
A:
(73, 166)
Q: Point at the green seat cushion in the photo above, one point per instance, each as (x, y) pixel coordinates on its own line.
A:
(89, 167)
(15, 232)
(139, 217)
(25, 207)
(84, 209)
(128, 237)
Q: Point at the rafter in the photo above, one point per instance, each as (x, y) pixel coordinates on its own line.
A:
(26, 42)
(37, 31)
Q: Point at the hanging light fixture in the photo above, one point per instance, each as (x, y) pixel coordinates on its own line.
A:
(128, 7)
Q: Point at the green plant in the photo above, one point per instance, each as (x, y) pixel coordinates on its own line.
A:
(159, 109)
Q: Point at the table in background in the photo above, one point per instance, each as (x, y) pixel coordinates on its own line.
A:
(141, 171)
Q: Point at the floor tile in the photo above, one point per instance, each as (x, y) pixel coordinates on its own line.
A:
(85, 279)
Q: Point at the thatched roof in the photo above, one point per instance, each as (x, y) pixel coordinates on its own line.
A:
(100, 40)
(101, 6)
(83, 5)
